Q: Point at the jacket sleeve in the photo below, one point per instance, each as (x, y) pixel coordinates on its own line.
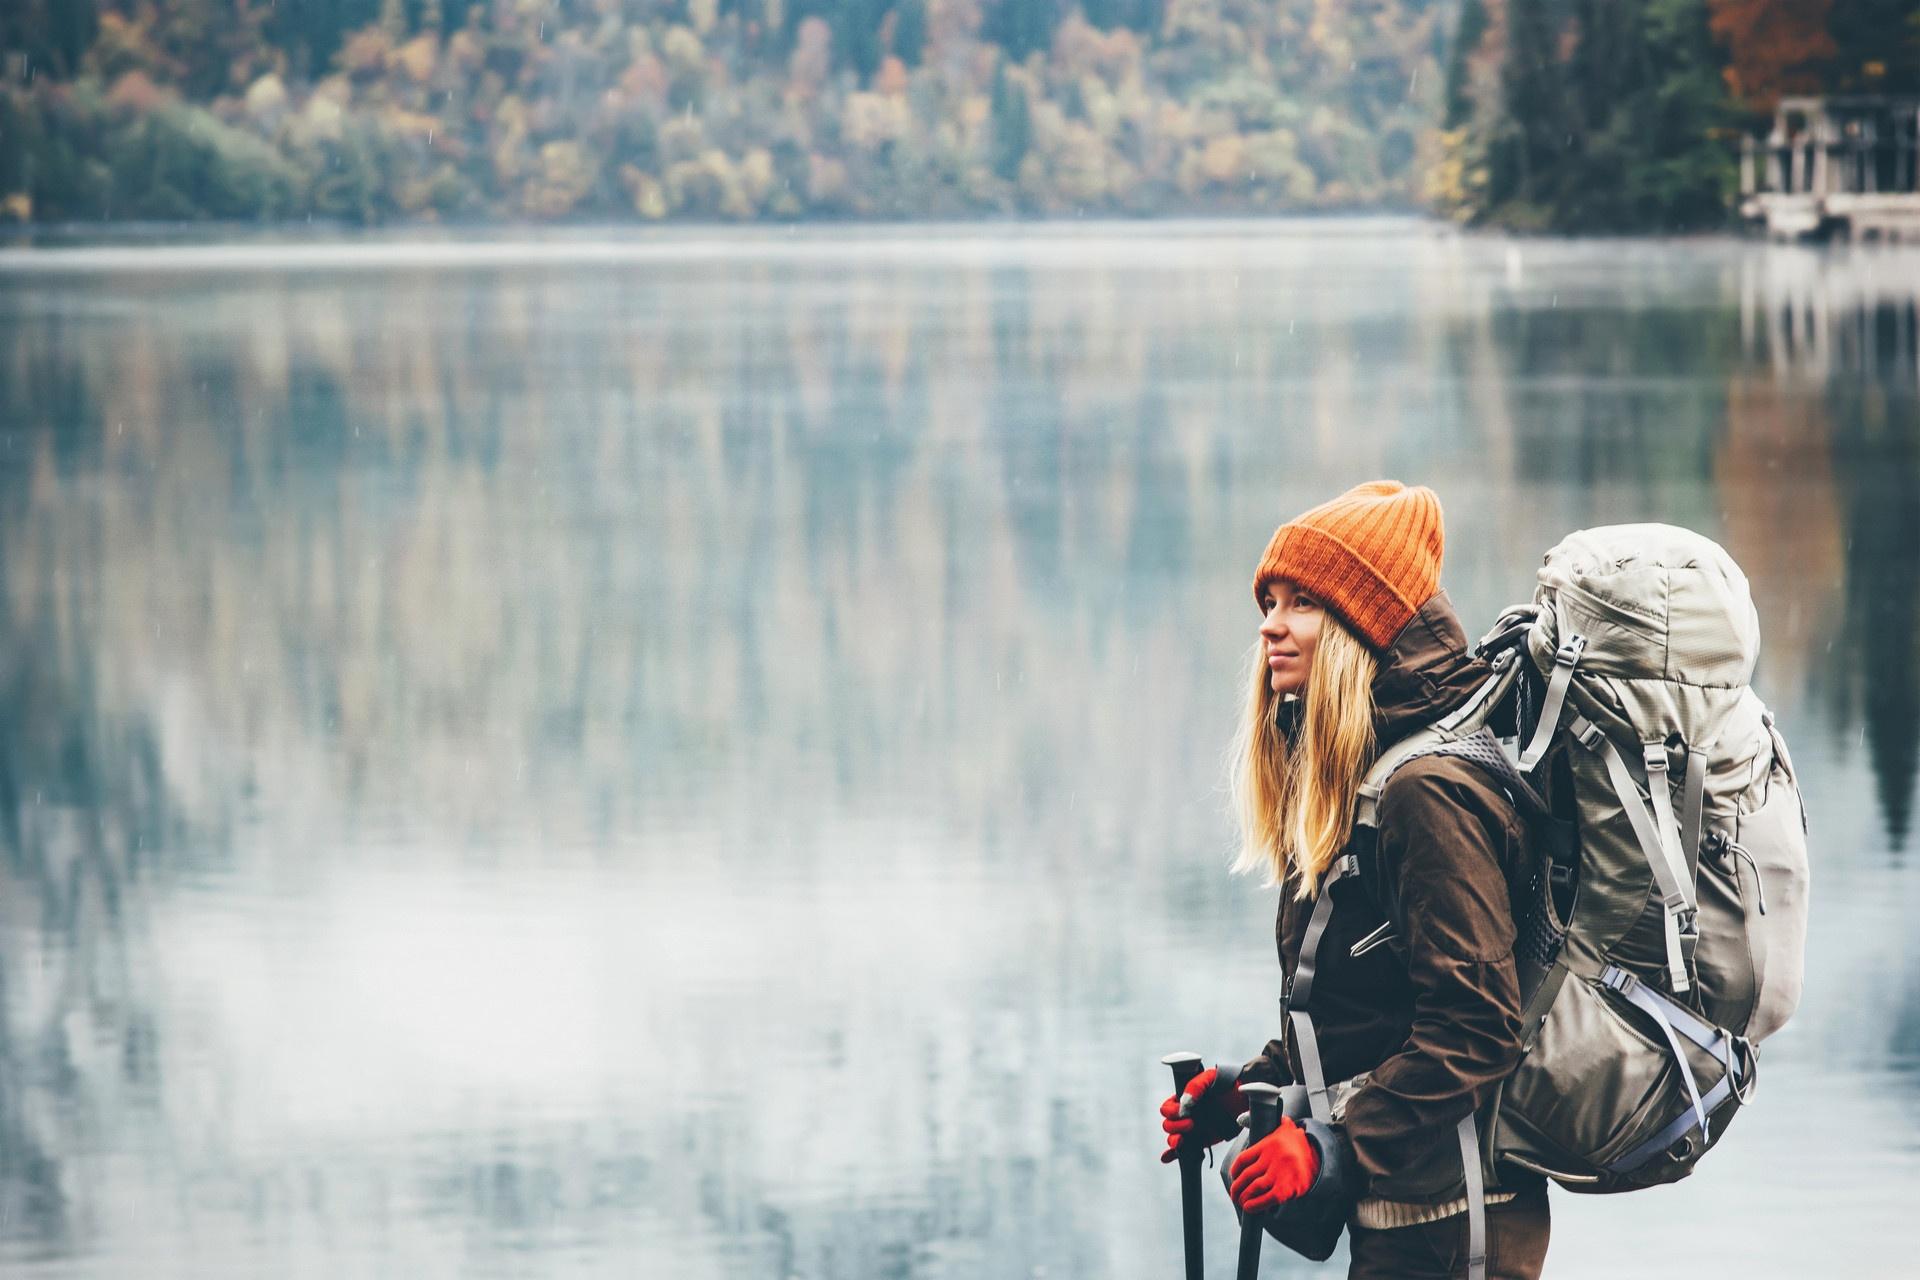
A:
(1269, 1066)
(1446, 831)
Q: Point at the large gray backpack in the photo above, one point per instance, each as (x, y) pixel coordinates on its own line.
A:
(1663, 924)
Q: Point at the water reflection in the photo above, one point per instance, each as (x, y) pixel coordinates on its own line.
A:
(710, 761)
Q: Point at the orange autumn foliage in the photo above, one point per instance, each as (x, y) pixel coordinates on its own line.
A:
(1774, 47)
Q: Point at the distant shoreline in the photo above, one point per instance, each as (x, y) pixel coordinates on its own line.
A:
(302, 230)
(168, 247)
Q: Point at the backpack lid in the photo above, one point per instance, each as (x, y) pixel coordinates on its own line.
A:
(1671, 634)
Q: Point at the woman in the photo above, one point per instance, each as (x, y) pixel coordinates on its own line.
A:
(1358, 648)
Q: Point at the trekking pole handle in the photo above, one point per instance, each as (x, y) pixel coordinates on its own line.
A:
(1263, 1110)
(1185, 1067)
(1263, 1117)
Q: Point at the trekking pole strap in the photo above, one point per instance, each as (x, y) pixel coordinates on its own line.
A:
(1476, 1199)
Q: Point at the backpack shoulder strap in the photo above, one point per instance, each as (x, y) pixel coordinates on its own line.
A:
(1449, 735)
(1480, 748)
(1418, 743)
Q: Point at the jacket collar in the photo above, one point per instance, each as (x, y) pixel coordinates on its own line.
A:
(1425, 673)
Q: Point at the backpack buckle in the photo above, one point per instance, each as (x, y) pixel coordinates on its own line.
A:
(1689, 922)
(1568, 654)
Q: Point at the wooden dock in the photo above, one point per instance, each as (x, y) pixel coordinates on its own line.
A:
(1842, 166)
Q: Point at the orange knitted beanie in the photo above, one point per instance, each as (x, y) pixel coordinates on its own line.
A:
(1372, 555)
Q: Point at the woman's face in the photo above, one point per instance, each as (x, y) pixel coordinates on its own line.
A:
(1288, 635)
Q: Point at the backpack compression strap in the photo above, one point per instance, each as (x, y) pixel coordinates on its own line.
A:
(1678, 1022)
(1671, 849)
(1658, 835)
(1565, 659)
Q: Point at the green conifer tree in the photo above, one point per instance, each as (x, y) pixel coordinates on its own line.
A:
(910, 31)
(1467, 35)
(1012, 124)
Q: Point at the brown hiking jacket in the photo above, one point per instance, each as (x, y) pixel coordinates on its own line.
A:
(1435, 1017)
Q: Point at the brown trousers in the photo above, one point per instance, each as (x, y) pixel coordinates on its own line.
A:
(1516, 1245)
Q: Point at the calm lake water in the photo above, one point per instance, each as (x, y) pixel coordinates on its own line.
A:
(700, 756)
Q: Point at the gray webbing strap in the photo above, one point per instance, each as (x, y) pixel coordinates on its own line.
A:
(1488, 687)
(1681, 933)
(1692, 800)
(1534, 1016)
(1300, 993)
(1674, 897)
(1676, 1018)
(1565, 659)
(1319, 1102)
(1304, 968)
(1657, 1007)
(1476, 1200)
(1366, 808)
(1681, 1018)
(1679, 1056)
(1660, 793)
(1682, 1125)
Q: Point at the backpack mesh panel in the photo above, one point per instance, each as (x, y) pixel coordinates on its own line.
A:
(1537, 940)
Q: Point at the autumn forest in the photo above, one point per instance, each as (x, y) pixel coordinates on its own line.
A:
(1572, 115)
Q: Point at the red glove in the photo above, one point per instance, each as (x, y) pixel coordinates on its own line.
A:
(1206, 1111)
(1274, 1170)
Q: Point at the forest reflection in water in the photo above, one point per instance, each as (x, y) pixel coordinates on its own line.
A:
(709, 760)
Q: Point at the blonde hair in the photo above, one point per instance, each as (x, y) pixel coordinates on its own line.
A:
(1295, 801)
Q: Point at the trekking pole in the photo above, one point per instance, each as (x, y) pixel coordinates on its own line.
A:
(1263, 1117)
(1185, 1067)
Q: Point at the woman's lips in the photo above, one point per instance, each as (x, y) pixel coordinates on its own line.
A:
(1275, 659)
